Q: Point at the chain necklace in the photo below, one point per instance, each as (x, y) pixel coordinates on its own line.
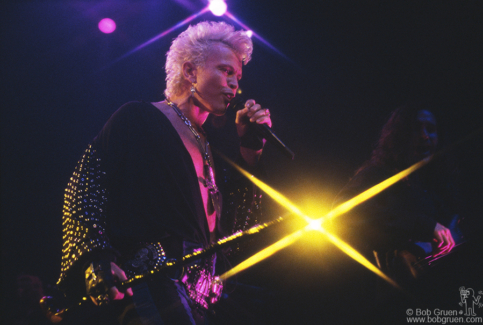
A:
(209, 180)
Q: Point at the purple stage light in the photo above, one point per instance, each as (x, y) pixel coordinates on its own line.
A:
(217, 7)
(251, 34)
(107, 25)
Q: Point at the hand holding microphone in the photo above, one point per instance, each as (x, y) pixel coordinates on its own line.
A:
(253, 124)
(250, 112)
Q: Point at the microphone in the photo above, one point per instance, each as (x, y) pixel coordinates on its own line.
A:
(262, 130)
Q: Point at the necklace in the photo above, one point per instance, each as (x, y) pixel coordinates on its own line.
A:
(209, 180)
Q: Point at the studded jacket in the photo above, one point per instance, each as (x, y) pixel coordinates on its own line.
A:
(135, 186)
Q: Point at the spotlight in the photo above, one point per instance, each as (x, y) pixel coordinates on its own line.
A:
(107, 25)
(217, 7)
(313, 224)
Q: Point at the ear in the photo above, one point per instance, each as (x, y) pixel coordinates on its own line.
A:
(189, 72)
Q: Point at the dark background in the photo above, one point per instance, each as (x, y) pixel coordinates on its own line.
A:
(345, 66)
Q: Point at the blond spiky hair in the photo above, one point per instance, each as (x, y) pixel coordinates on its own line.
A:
(193, 45)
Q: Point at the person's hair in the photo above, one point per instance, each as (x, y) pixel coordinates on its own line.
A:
(394, 147)
(194, 44)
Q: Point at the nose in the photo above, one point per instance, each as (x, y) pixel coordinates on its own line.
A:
(233, 83)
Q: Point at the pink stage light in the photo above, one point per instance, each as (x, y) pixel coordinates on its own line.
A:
(217, 7)
(107, 25)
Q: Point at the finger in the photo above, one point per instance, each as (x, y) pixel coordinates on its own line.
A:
(453, 244)
(115, 294)
(254, 109)
(249, 103)
(241, 116)
(448, 241)
(439, 239)
(120, 275)
(444, 250)
(444, 245)
(440, 251)
(118, 272)
(451, 241)
(265, 120)
(260, 113)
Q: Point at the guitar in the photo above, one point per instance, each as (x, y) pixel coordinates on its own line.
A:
(415, 260)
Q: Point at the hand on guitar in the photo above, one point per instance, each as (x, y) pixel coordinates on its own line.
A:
(100, 282)
(443, 240)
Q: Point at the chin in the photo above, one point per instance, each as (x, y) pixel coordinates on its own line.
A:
(219, 111)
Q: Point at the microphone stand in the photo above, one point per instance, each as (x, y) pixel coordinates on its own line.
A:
(48, 303)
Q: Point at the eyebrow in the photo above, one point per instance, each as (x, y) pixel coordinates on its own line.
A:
(235, 71)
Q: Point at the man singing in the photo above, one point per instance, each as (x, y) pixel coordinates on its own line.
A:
(144, 191)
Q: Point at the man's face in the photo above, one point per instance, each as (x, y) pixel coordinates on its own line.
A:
(217, 81)
(425, 136)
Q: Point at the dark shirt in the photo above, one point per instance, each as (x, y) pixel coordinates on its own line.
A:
(153, 187)
(136, 184)
(404, 213)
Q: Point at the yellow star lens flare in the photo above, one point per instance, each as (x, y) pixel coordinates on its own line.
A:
(263, 254)
(316, 224)
(366, 195)
(278, 197)
(346, 248)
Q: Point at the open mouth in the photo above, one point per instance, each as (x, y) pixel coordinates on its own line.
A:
(228, 98)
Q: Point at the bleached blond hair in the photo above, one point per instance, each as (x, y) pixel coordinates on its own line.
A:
(194, 44)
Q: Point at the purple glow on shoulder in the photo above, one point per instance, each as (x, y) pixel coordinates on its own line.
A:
(107, 25)
(217, 7)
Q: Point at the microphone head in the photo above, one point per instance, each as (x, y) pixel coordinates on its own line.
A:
(236, 103)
